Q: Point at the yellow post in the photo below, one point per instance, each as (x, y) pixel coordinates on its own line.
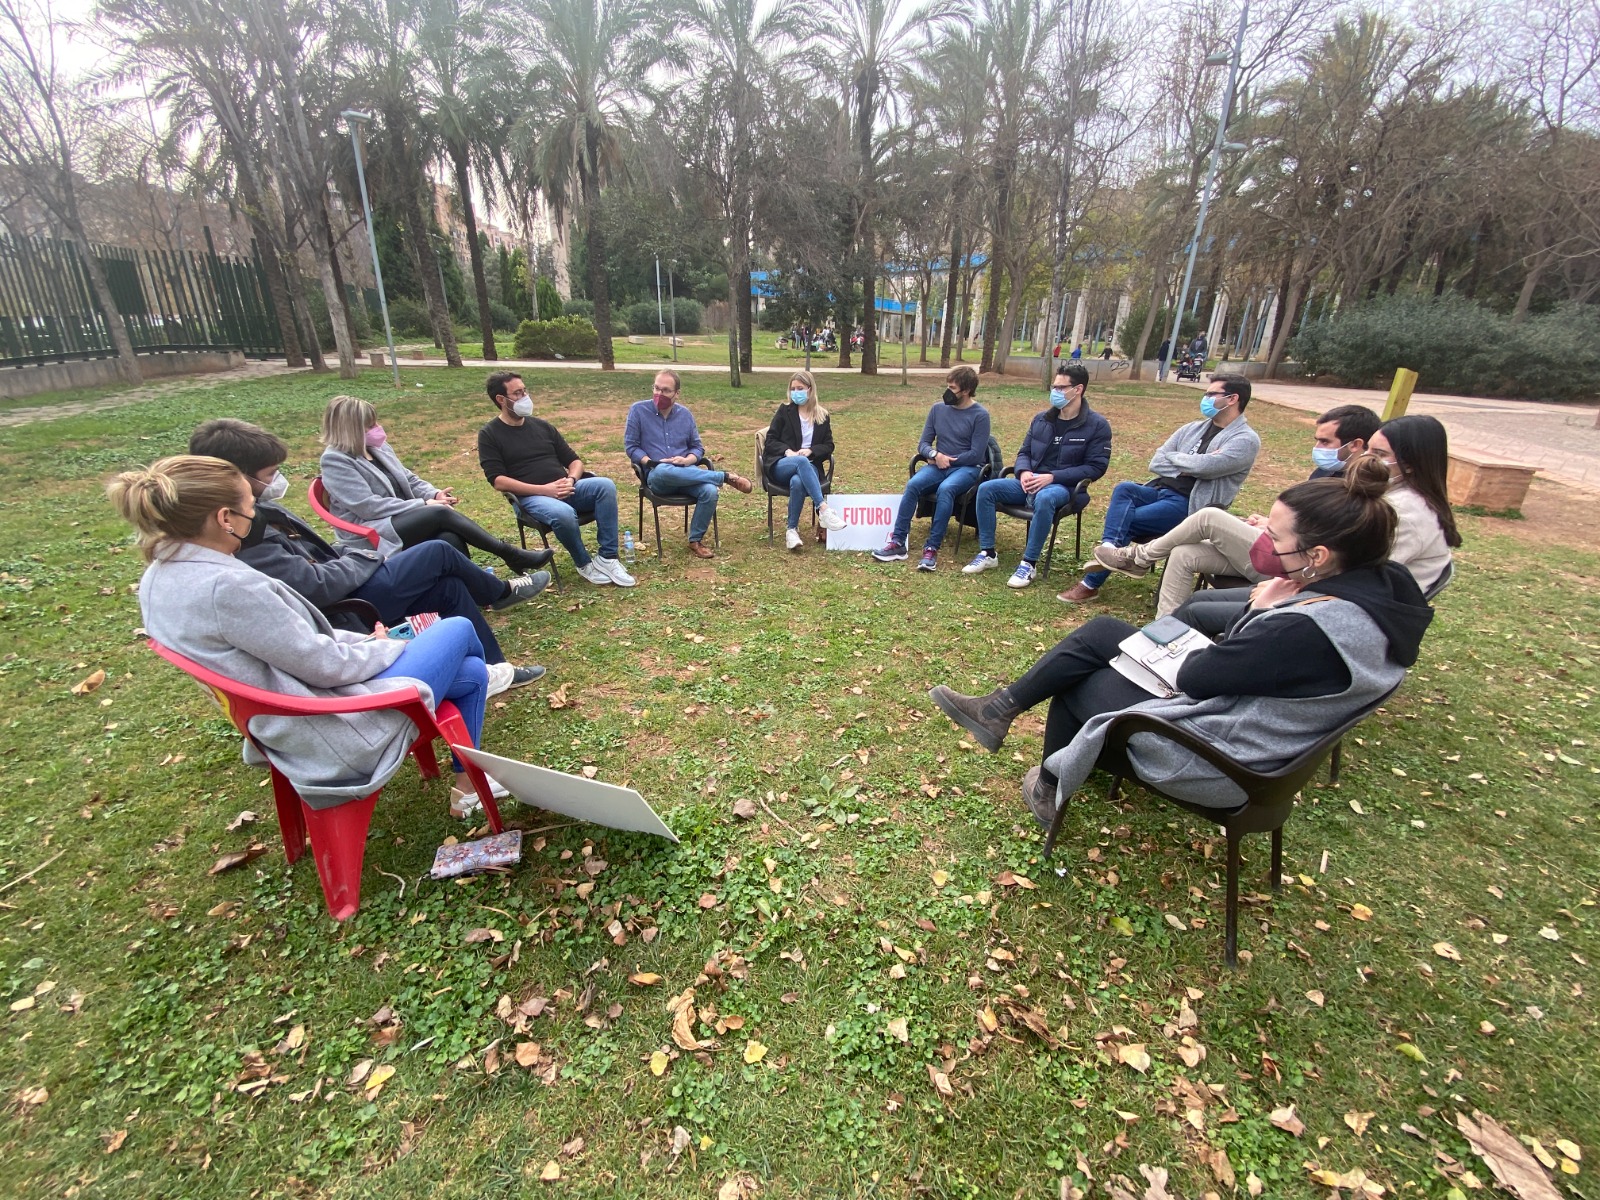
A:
(1399, 393)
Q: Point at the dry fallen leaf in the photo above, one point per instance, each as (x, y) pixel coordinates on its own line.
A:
(988, 1020)
(754, 1052)
(1134, 1055)
(644, 978)
(1570, 1149)
(237, 859)
(1315, 997)
(484, 935)
(940, 1081)
(244, 818)
(742, 1186)
(86, 685)
(897, 1030)
(1358, 1121)
(1288, 1120)
(558, 698)
(526, 1054)
(940, 878)
(1361, 912)
(114, 1142)
(1446, 950)
(744, 809)
(658, 1062)
(1513, 1167)
(380, 1076)
(552, 1169)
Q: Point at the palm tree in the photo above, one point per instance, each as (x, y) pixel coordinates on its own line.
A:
(876, 40)
(590, 62)
(736, 65)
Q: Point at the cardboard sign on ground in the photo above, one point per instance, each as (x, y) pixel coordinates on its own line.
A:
(869, 519)
(572, 795)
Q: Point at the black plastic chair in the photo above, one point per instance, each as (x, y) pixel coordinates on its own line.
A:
(824, 475)
(966, 514)
(525, 523)
(1270, 794)
(1439, 584)
(673, 500)
(1023, 513)
(361, 613)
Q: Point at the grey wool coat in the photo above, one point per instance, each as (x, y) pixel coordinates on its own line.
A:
(368, 492)
(1220, 472)
(1262, 732)
(229, 617)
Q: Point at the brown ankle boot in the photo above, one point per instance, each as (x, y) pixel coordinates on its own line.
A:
(987, 718)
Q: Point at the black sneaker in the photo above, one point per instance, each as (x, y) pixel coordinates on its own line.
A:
(891, 552)
(523, 676)
(523, 589)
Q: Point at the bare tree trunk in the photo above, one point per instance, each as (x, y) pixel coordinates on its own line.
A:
(352, 333)
(594, 240)
(1009, 325)
(1157, 291)
(924, 298)
(1288, 310)
(734, 338)
(272, 268)
(1530, 284)
(419, 230)
(1282, 295)
(951, 295)
(127, 363)
(459, 158)
(867, 90)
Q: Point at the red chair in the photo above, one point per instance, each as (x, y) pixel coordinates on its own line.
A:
(339, 834)
(318, 496)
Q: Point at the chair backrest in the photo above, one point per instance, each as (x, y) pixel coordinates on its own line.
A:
(317, 496)
(997, 462)
(1439, 584)
(761, 446)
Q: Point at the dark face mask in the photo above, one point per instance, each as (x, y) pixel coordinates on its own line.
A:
(950, 396)
(258, 530)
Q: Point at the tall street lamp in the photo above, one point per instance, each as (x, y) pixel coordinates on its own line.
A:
(355, 119)
(1218, 145)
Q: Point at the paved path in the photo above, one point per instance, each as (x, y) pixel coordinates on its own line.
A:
(1561, 440)
(155, 390)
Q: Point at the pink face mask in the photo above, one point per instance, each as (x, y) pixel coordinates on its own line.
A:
(1264, 558)
(376, 437)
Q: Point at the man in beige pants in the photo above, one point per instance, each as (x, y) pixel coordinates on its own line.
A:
(1211, 541)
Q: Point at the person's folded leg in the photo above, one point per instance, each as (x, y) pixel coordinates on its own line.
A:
(449, 658)
(563, 521)
(1183, 565)
(417, 526)
(598, 495)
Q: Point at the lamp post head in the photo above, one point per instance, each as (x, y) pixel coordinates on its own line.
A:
(351, 114)
(1221, 58)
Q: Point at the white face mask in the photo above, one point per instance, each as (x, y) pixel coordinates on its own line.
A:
(523, 408)
(277, 489)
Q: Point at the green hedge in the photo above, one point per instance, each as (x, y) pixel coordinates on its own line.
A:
(578, 308)
(565, 337)
(640, 318)
(1455, 345)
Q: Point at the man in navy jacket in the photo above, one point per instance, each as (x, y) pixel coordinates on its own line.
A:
(1068, 445)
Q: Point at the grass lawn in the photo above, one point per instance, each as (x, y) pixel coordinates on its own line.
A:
(713, 348)
(881, 916)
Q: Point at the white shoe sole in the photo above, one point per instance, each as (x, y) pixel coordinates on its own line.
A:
(992, 564)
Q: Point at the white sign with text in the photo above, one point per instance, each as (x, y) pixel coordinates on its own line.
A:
(868, 520)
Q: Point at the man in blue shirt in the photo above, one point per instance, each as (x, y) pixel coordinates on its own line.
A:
(1067, 447)
(955, 441)
(662, 438)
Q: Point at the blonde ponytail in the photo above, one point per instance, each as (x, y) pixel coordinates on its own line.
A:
(171, 500)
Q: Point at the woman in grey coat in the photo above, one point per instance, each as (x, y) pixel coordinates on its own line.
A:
(192, 513)
(1329, 634)
(367, 484)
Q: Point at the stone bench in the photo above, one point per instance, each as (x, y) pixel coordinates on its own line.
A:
(1483, 482)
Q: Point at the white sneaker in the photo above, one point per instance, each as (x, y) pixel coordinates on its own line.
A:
(595, 573)
(983, 562)
(829, 519)
(619, 574)
(500, 675)
(465, 804)
(1023, 576)
(792, 539)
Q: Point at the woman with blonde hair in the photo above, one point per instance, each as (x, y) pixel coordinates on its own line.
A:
(192, 513)
(367, 484)
(800, 437)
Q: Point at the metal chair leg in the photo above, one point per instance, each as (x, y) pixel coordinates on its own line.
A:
(1230, 951)
(656, 513)
(544, 541)
(1055, 830)
(1333, 762)
(769, 517)
(1077, 538)
(1277, 859)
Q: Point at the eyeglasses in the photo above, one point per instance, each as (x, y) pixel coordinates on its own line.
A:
(1218, 395)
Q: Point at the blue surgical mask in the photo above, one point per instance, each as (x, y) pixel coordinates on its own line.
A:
(1058, 398)
(798, 395)
(1326, 458)
(1208, 406)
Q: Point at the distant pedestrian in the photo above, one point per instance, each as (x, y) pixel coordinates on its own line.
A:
(1161, 356)
(1077, 352)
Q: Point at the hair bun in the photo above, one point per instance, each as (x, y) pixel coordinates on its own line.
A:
(1366, 475)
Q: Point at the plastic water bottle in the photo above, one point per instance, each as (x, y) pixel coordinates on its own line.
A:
(628, 555)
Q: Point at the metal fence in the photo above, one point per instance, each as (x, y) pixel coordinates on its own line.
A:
(170, 300)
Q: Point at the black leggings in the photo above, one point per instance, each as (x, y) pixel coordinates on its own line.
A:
(1078, 681)
(440, 522)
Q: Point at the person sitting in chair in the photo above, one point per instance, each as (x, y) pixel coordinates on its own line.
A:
(662, 440)
(431, 577)
(1317, 645)
(193, 515)
(800, 436)
(1068, 444)
(955, 443)
(1203, 464)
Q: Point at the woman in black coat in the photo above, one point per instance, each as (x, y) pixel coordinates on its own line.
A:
(799, 438)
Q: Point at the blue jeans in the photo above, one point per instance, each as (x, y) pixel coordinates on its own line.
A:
(593, 495)
(668, 479)
(948, 484)
(1046, 502)
(1138, 512)
(448, 657)
(800, 477)
(435, 577)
